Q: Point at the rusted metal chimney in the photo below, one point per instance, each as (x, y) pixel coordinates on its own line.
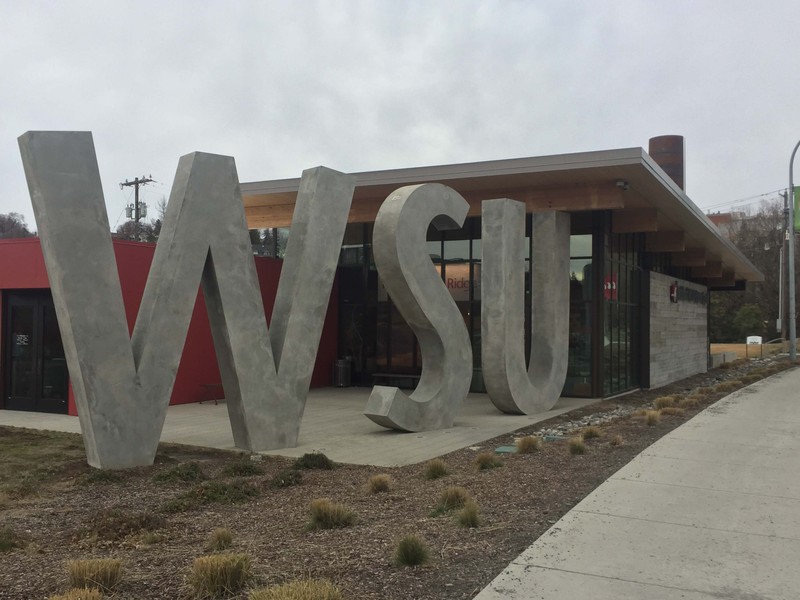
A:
(667, 151)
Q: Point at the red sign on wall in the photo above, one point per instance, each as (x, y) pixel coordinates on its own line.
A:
(610, 287)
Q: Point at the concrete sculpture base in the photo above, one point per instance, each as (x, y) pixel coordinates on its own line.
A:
(122, 384)
(421, 297)
(512, 387)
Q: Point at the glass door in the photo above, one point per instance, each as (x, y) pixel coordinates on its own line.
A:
(36, 376)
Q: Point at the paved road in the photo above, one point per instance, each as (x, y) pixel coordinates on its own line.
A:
(710, 511)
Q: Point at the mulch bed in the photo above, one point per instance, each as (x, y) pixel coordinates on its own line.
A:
(71, 513)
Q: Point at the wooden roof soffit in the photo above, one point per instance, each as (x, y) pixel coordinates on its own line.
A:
(665, 241)
(364, 210)
(711, 270)
(634, 220)
(691, 257)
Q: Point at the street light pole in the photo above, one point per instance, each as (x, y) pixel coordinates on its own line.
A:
(792, 318)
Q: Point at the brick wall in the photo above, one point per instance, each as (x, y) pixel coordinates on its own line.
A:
(678, 330)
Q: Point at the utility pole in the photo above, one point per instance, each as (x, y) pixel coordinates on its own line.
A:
(137, 210)
(792, 305)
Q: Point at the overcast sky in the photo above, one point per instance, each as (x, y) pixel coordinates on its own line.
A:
(357, 86)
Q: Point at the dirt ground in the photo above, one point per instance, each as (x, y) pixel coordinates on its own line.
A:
(54, 508)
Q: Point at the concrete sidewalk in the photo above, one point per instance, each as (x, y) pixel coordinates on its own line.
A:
(710, 511)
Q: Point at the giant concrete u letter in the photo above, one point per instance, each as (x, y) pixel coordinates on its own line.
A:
(420, 295)
(512, 387)
(123, 384)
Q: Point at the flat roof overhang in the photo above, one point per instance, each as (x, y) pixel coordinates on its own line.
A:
(627, 181)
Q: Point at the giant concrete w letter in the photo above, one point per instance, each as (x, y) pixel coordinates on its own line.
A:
(512, 387)
(123, 384)
(416, 288)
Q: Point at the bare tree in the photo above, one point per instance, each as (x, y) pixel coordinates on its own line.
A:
(12, 225)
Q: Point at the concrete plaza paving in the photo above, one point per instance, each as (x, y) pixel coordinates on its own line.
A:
(333, 423)
(710, 511)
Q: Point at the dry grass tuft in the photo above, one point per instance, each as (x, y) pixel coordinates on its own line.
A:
(452, 497)
(664, 402)
(302, 589)
(652, 418)
(487, 460)
(100, 573)
(434, 469)
(703, 391)
(673, 411)
(79, 594)
(220, 539)
(591, 432)
(219, 574)
(576, 446)
(528, 444)
(329, 515)
(411, 551)
(688, 402)
(617, 440)
(728, 386)
(379, 483)
(468, 515)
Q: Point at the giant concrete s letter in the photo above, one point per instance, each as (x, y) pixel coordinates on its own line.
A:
(420, 295)
(512, 387)
(123, 384)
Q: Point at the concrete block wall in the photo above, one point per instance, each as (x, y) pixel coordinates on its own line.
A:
(678, 330)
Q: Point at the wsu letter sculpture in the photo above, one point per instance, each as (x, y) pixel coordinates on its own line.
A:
(123, 384)
(512, 387)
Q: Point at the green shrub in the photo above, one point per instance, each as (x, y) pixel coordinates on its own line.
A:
(100, 573)
(379, 483)
(434, 469)
(302, 589)
(411, 551)
(181, 473)
(212, 492)
(243, 468)
(576, 445)
(528, 444)
(329, 515)
(219, 574)
(314, 460)
(487, 460)
(220, 539)
(8, 539)
(287, 478)
(114, 524)
(468, 515)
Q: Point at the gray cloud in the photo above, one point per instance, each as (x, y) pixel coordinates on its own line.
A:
(370, 85)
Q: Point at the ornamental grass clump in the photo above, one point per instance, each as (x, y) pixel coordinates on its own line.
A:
(219, 575)
(100, 573)
(673, 411)
(411, 551)
(663, 402)
(652, 418)
(301, 589)
(469, 516)
(528, 444)
(576, 446)
(590, 432)
(219, 540)
(452, 497)
(379, 483)
(435, 469)
(617, 440)
(329, 515)
(487, 460)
